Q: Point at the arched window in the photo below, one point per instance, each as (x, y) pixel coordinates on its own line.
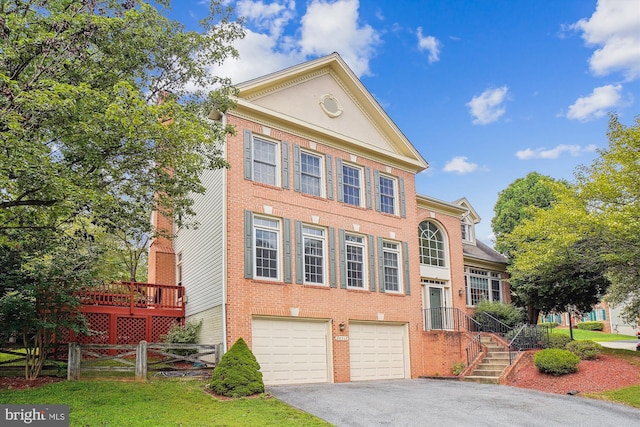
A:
(431, 244)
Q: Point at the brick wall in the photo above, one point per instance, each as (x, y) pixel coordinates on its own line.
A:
(247, 297)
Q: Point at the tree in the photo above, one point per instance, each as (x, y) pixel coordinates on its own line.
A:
(611, 191)
(101, 121)
(238, 373)
(516, 204)
(81, 128)
(41, 303)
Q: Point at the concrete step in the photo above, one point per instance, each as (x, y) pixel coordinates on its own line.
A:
(482, 372)
(481, 379)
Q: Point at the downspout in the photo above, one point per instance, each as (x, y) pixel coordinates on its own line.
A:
(224, 247)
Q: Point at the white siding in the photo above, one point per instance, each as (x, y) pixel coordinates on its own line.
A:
(202, 248)
(211, 331)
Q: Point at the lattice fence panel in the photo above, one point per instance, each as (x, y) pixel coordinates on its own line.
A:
(161, 325)
(99, 325)
(131, 330)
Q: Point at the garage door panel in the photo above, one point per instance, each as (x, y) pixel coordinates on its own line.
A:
(377, 351)
(290, 351)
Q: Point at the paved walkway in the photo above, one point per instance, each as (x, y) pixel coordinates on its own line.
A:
(627, 345)
(422, 402)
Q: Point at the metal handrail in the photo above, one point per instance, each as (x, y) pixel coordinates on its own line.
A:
(527, 337)
(473, 349)
(448, 318)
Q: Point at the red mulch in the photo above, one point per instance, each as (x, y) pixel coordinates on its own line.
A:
(606, 373)
(18, 383)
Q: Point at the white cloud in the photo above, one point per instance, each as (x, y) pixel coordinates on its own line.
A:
(329, 27)
(271, 16)
(488, 106)
(553, 153)
(596, 105)
(460, 165)
(615, 28)
(430, 44)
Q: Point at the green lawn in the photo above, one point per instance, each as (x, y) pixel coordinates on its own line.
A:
(174, 402)
(579, 334)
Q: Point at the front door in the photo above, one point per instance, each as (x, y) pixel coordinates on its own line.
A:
(436, 306)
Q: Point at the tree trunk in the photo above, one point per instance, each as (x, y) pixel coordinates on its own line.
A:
(532, 314)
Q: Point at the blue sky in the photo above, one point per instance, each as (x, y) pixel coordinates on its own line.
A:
(487, 91)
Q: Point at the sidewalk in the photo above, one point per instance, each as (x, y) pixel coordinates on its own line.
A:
(626, 345)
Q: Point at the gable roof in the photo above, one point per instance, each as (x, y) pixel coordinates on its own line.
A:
(482, 253)
(293, 98)
(473, 215)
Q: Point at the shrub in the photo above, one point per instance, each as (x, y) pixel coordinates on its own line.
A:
(590, 326)
(549, 325)
(558, 341)
(238, 373)
(556, 362)
(458, 368)
(183, 334)
(506, 313)
(585, 350)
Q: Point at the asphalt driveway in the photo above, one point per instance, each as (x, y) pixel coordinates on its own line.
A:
(422, 402)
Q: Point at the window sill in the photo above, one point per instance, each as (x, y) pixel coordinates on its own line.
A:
(262, 184)
(268, 282)
(394, 294)
(314, 286)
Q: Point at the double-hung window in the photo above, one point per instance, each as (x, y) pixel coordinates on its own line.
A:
(314, 255)
(352, 185)
(267, 248)
(387, 187)
(265, 161)
(355, 261)
(391, 259)
(311, 174)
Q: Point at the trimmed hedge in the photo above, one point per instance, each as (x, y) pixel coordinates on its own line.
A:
(585, 350)
(590, 326)
(506, 313)
(549, 325)
(557, 341)
(555, 361)
(238, 373)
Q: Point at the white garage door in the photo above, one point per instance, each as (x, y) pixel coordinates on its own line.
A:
(291, 351)
(377, 351)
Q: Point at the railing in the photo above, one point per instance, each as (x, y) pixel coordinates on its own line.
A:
(473, 349)
(527, 337)
(448, 318)
(133, 295)
(488, 323)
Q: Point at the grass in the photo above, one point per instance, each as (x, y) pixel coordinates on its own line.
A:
(626, 395)
(173, 402)
(580, 334)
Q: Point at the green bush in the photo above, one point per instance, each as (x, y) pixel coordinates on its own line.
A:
(506, 313)
(555, 361)
(558, 341)
(238, 373)
(458, 368)
(549, 325)
(585, 350)
(183, 334)
(590, 326)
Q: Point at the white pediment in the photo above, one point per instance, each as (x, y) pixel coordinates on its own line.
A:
(325, 96)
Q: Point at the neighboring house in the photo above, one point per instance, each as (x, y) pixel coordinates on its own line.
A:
(609, 315)
(306, 247)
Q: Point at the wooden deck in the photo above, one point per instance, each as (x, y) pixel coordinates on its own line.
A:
(130, 312)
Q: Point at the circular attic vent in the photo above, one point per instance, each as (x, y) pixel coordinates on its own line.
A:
(330, 105)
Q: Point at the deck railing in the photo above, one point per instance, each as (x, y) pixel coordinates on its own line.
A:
(133, 295)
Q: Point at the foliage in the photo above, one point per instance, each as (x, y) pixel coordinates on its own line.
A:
(166, 402)
(458, 367)
(183, 334)
(585, 350)
(555, 361)
(43, 302)
(506, 313)
(611, 190)
(238, 373)
(517, 203)
(558, 341)
(549, 325)
(591, 326)
(103, 118)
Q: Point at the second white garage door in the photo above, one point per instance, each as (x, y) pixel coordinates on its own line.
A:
(291, 351)
(377, 351)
